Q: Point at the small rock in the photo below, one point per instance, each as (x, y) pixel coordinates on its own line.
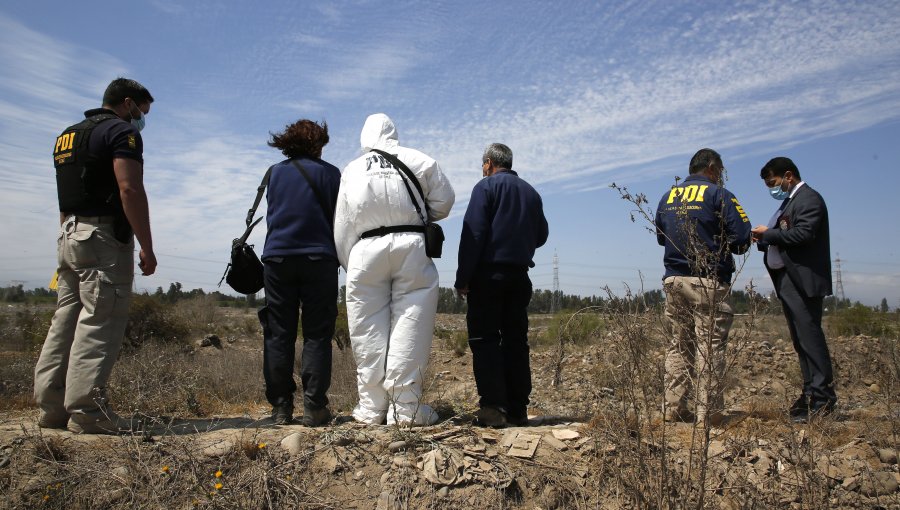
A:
(443, 492)
(396, 446)
(868, 382)
(218, 449)
(385, 501)
(120, 472)
(885, 455)
(556, 443)
(878, 484)
(403, 462)
(293, 443)
(210, 341)
(564, 434)
(359, 475)
(385, 477)
(875, 388)
(4, 461)
(342, 441)
(716, 448)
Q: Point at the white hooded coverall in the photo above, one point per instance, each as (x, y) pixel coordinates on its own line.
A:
(392, 286)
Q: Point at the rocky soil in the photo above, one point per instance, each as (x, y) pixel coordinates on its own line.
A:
(594, 440)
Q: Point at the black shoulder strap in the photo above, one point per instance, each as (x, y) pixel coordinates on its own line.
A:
(319, 197)
(259, 193)
(401, 166)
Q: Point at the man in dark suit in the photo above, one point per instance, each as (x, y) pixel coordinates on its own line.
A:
(798, 257)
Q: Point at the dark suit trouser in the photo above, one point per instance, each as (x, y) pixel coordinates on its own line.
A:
(291, 282)
(804, 318)
(497, 321)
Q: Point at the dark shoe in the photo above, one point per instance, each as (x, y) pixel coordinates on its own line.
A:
(490, 417)
(800, 406)
(112, 425)
(315, 417)
(53, 422)
(517, 420)
(283, 414)
(675, 414)
(817, 408)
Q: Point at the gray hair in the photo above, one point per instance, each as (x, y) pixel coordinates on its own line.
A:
(500, 154)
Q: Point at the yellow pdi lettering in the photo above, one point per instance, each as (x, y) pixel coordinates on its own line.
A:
(740, 210)
(692, 193)
(64, 142)
(674, 193)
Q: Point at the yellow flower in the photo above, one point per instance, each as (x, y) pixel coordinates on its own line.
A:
(262, 445)
(218, 485)
(46, 497)
(165, 469)
(219, 474)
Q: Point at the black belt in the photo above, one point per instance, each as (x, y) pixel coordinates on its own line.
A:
(380, 231)
(92, 219)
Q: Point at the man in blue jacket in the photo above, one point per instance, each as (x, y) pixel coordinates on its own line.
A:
(701, 224)
(503, 226)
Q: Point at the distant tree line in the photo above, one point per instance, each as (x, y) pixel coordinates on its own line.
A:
(448, 302)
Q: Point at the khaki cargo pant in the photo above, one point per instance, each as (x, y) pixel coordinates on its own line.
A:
(95, 277)
(700, 317)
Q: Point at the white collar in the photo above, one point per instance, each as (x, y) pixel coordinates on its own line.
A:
(794, 191)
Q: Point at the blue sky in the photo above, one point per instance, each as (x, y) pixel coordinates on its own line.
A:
(585, 93)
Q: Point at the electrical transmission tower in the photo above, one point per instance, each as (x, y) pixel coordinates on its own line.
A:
(554, 303)
(838, 283)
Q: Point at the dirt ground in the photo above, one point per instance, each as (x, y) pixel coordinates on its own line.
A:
(594, 440)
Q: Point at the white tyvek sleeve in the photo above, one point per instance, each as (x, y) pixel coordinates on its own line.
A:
(344, 232)
(440, 192)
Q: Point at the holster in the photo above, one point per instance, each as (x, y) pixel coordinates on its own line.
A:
(122, 229)
(434, 240)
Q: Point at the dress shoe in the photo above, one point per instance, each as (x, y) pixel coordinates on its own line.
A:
(817, 408)
(800, 406)
(490, 417)
(517, 420)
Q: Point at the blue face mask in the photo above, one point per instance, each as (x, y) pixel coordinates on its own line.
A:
(140, 121)
(778, 193)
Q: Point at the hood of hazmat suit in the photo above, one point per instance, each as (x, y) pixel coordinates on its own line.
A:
(392, 286)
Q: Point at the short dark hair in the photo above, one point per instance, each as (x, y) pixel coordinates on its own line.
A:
(776, 167)
(302, 138)
(702, 159)
(122, 88)
(500, 154)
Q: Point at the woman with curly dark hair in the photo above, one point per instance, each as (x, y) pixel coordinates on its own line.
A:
(300, 270)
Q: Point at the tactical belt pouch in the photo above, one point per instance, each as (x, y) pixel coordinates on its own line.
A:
(434, 234)
(122, 229)
(434, 240)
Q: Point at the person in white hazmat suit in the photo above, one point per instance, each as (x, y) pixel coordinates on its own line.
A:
(392, 285)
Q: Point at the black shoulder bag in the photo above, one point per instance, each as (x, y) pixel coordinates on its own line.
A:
(434, 234)
(244, 273)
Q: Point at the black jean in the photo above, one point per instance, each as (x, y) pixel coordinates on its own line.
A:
(497, 321)
(804, 318)
(292, 282)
